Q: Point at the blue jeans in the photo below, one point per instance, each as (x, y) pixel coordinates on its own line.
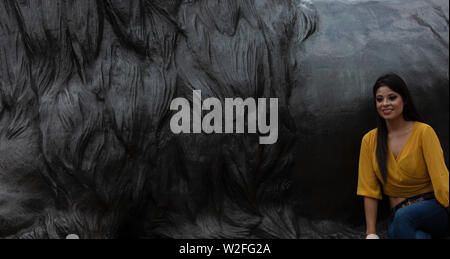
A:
(422, 220)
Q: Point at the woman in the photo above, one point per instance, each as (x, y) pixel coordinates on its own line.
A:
(403, 158)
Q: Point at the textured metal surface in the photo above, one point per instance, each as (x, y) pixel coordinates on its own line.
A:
(85, 89)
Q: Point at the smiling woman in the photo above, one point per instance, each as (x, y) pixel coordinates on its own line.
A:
(419, 194)
(85, 91)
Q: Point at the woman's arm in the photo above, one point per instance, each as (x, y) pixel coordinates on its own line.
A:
(371, 209)
(368, 187)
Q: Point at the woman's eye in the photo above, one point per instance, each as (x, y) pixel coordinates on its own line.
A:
(379, 100)
(392, 97)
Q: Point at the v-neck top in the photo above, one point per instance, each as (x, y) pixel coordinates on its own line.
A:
(419, 167)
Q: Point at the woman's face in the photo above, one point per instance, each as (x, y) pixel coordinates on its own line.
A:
(389, 103)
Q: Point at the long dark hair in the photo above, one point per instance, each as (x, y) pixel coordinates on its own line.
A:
(396, 84)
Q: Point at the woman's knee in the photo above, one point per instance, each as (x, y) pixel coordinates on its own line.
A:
(402, 225)
(403, 216)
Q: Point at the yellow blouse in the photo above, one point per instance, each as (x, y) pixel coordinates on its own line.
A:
(418, 168)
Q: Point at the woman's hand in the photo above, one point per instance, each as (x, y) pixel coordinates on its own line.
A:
(372, 236)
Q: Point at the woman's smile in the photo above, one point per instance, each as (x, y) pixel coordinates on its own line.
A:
(387, 111)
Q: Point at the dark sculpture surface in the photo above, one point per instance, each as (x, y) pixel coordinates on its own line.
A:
(85, 90)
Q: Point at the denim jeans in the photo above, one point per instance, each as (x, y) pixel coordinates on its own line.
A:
(422, 220)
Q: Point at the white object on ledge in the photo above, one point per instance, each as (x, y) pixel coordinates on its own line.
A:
(72, 236)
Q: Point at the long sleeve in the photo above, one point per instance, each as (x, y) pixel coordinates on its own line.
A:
(434, 158)
(368, 184)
